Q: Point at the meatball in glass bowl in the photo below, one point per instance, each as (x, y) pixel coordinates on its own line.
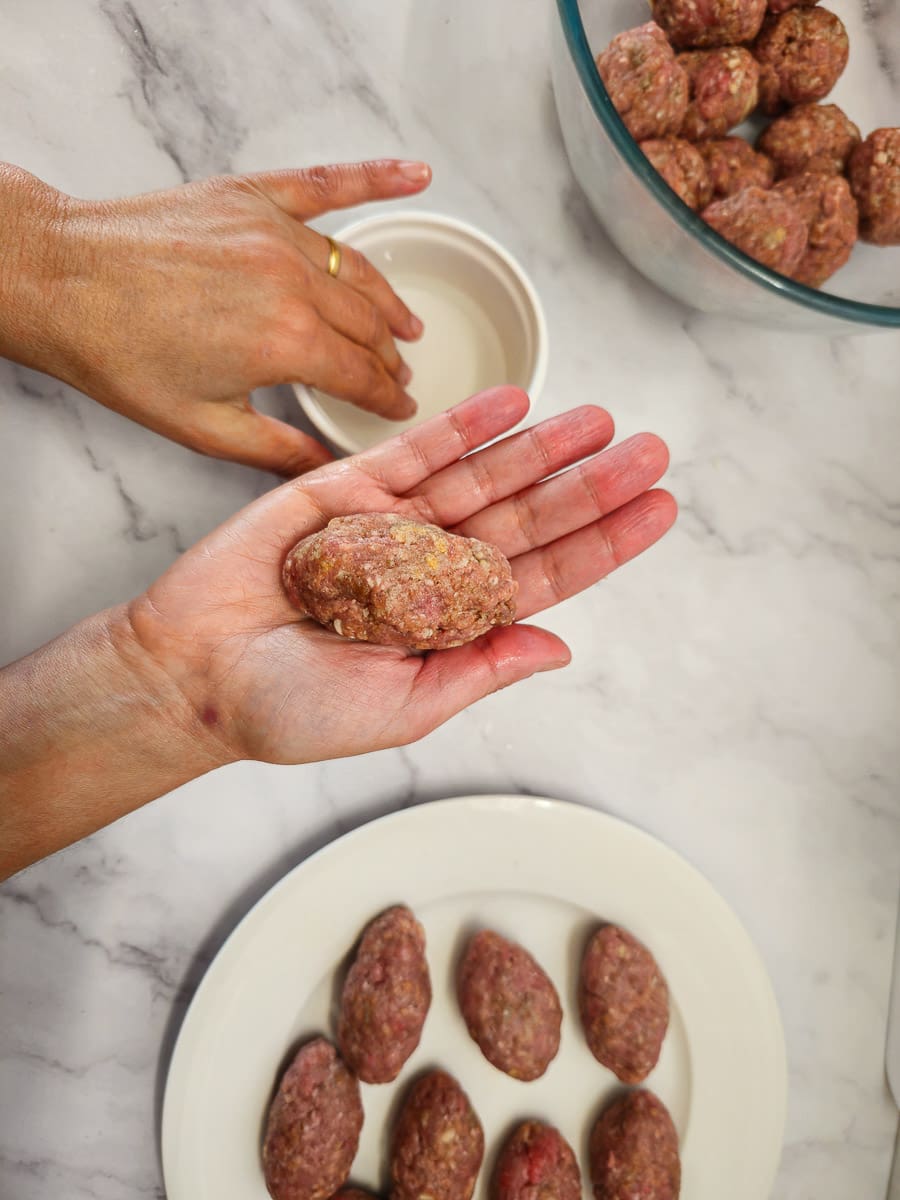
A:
(849, 66)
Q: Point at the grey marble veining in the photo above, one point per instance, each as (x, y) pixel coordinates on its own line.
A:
(736, 692)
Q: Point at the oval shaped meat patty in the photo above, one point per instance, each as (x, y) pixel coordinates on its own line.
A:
(734, 165)
(801, 54)
(536, 1163)
(810, 137)
(385, 997)
(647, 86)
(724, 87)
(624, 1003)
(826, 204)
(380, 577)
(438, 1142)
(509, 1004)
(875, 180)
(313, 1127)
(634, 1151)
(704, 23)
(682, 167)
(762, 224)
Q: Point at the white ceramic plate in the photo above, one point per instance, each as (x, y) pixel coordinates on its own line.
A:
(537, 870)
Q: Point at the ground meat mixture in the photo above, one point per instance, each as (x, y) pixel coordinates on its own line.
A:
(802, 54)
(811, 137)
(510, 1005)
(875, 179)
(682, 168)
(704, 23)
(313, 1126)
(379, 577)
(645, 83)
(353, 1193)
(438, 1142)
(733, 165)
(385, 998)
(827, 206)
(764, 225)
(536, 1163)
(780, 6)
(634, 1151)
(624, 1003)
(724, 89)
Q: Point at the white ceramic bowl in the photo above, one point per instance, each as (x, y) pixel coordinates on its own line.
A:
(483, 321)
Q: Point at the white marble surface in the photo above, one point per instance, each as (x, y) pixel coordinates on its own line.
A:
(737, 692)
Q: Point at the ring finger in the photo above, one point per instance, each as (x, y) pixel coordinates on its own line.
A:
(549, 510)
(352, 315)
(356, 272)
(554, 572)
(325, 359)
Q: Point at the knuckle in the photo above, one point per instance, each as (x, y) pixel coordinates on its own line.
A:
(221, 185)
(483, 484)
(262, 250)
(373, 377)
(290, 337)
(376, 330)
(541, 450)
(300, 322)
(320, 183)
(361, 270)
(555, 574)
(361, 377)
(526, 519)
(367, 174)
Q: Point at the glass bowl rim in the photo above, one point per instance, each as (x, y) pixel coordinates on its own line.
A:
(825, 302)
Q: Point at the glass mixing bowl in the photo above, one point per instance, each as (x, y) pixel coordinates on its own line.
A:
(669, 243)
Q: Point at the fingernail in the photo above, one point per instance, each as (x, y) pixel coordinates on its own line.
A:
(552, 666)
(404, 375)
(415, 326)
(415, 172)
(409, 409)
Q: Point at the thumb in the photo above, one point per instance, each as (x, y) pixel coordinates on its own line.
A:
(451, 680)
(243, 435)
(308, 193)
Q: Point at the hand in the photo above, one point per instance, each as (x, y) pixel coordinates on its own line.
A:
(262, 683)
(172, 307)
(212, 664)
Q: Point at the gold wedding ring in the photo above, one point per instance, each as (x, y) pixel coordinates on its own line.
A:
(334, 257)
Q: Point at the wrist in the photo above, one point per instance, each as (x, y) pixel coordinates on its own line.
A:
(33, 270)
(51, 285)
(174, 737)
(89, 730)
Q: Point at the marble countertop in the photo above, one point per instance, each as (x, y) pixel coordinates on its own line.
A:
(736, 692)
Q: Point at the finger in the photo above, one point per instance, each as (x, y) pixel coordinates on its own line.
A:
(353, 316)
(241, 434)
(342, 368)
(451, 680)
(572, 563)
(482, 479)
(312, 191)
(412, 456)
(549, 510)
(358, 273)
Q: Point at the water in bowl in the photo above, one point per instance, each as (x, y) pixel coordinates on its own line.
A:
(460, 353)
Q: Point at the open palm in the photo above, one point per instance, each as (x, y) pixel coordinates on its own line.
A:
(265, 683)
